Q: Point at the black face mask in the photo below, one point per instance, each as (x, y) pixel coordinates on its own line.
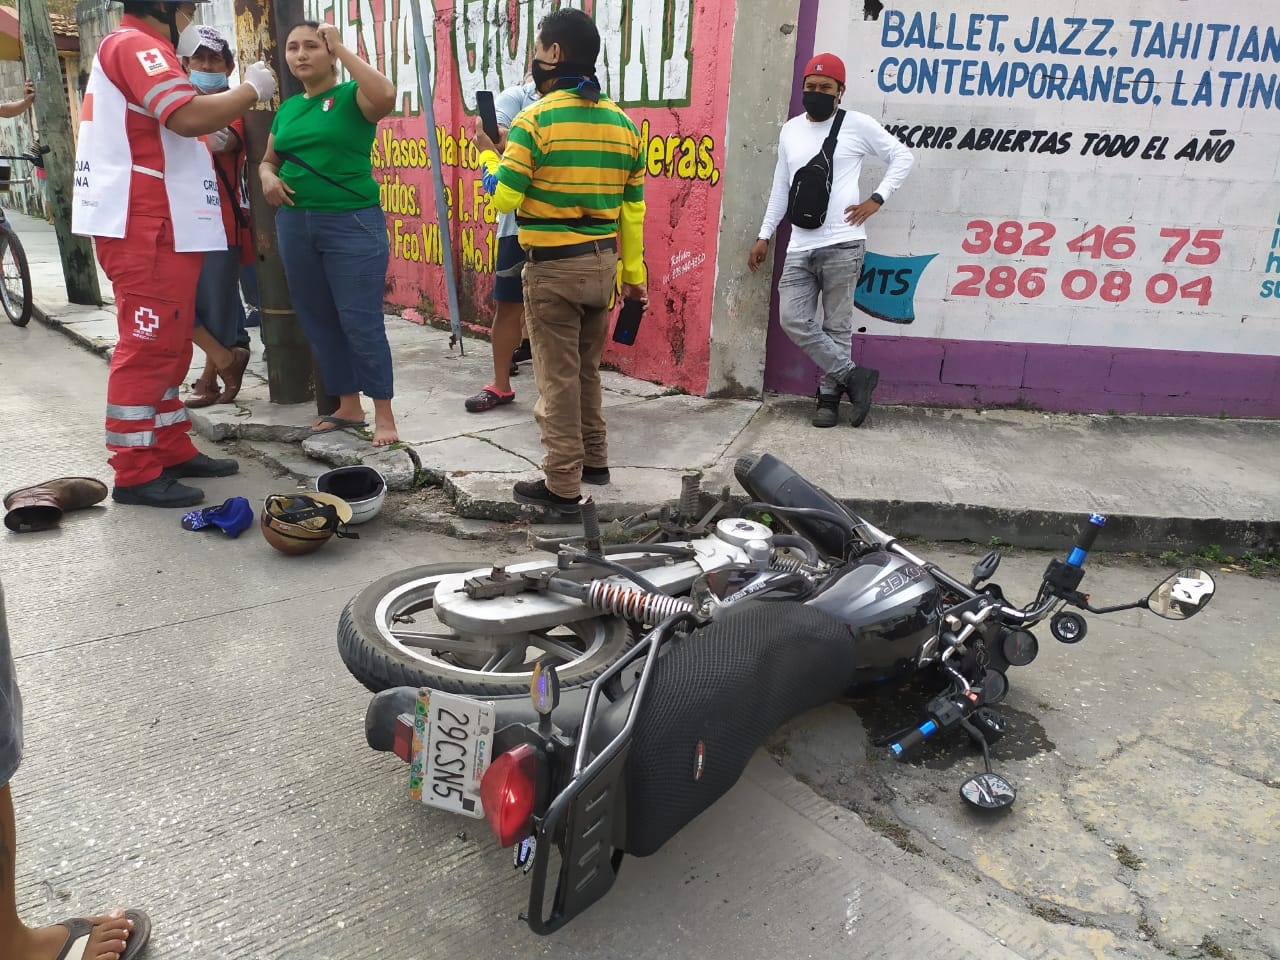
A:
(820, 106)
(542, 72)
(570, 76)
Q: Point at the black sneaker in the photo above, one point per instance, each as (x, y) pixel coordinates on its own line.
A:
(859, 383)
(535, 493)
(596, 475)
(202, 465)
(827, 412)
(163, 491)
(522, 353)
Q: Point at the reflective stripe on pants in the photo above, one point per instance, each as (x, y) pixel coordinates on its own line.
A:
(155, 288)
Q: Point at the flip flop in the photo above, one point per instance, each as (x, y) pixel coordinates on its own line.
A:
(79, 928)
(339, 423)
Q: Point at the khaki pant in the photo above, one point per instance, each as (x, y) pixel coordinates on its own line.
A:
(566, 306)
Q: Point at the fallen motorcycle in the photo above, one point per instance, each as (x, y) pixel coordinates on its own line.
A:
(610, 750)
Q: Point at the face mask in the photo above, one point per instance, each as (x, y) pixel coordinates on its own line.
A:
(819, 105)
(207, 82)
(542, 72)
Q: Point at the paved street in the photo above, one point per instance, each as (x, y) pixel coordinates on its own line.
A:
(195, 748)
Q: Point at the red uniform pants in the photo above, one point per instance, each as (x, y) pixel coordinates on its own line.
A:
(155, 290)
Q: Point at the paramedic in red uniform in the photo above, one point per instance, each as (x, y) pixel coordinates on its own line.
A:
(145, 189)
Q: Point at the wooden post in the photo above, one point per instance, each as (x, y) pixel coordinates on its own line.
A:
(53, 117)
(291, 377)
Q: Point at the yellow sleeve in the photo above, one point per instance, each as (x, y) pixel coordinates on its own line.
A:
(631, 241)
(505, 198)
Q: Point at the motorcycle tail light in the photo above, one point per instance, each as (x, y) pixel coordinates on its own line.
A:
(508, 791)
(404, 737)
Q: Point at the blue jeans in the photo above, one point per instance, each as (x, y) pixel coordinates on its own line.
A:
(336, 266)
(832, 273)
(10, 705)
(219, 308)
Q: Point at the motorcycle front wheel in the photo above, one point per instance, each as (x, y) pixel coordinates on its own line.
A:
(389, 636)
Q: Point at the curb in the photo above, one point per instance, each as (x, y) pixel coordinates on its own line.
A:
(482, 514)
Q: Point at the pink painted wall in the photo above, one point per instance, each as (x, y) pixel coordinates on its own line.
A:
(667, 62)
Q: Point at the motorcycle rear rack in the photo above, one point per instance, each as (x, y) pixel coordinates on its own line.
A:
(583, 819)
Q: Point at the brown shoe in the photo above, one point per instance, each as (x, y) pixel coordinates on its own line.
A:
(233, 375)
(204, 393)
(41, 507)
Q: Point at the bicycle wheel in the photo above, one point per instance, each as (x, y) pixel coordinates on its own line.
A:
(15, 279)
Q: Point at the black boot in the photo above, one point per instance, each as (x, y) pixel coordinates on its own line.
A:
(827, 412)
(163, 491)
(858, 383)
(202, 465)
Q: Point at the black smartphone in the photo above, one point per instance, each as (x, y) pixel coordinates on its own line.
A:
(488, 116)
(628, 325)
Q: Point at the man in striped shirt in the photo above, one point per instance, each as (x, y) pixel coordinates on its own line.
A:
(573, 170)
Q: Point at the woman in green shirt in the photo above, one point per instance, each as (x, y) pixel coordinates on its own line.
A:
(331, 230)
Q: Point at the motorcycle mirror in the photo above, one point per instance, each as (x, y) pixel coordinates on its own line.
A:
(988, 791)
(985, 568)
(544, 690)
(1182, 595)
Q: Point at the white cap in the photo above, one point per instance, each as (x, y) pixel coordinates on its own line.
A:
(200, 35)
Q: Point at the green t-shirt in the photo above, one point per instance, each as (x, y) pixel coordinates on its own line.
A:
(329, 133)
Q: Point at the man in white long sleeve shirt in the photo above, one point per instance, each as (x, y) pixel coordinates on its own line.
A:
(827, 261)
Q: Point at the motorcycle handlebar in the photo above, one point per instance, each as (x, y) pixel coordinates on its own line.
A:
(916, 736)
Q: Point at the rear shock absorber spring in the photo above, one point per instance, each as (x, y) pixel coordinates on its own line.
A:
(635, 604)
(788, 564)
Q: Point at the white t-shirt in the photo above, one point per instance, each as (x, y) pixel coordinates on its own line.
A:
(860, 136)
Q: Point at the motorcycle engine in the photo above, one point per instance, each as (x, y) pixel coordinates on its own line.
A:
(892, 608)
(753, 539)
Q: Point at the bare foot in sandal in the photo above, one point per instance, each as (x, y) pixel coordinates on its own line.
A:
(348, 414)
(104, 938)
(384, 424)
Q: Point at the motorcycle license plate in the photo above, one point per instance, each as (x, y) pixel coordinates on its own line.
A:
(452, 745)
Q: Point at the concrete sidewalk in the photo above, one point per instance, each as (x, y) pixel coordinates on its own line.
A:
(1021, 476)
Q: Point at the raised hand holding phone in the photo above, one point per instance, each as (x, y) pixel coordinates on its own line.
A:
(488, 116)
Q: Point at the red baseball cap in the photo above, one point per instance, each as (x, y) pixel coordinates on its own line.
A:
(826, 65)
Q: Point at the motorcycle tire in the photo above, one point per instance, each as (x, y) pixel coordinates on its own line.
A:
(379, 662)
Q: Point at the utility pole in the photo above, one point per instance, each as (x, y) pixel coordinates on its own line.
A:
(290, 373)
(53, 118)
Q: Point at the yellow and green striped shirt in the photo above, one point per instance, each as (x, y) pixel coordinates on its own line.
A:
(573, 171)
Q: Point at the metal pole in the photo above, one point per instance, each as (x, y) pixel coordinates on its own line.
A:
(290, 374)
(53, 118)
(437, 175)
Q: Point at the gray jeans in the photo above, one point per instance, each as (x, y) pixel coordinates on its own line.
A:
(10, 705)
(831, 272)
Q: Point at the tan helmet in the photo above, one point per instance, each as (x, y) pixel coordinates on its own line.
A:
(297, 523)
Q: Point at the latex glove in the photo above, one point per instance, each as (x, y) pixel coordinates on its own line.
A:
(259, 76)
(218, 140)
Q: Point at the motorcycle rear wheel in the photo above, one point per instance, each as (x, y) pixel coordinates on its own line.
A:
(386, 631)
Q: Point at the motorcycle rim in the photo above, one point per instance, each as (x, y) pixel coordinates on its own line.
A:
(389, 636)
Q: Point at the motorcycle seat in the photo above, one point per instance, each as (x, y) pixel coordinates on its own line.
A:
(716, 696)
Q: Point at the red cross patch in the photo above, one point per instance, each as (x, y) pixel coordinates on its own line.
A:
(152, 61)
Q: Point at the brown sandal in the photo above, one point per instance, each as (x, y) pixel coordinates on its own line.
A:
(233, 375)
(204, 393)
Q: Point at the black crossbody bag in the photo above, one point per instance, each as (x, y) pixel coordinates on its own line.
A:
(810, 193)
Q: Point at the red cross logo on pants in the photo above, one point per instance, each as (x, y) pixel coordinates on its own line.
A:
(146, 322)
